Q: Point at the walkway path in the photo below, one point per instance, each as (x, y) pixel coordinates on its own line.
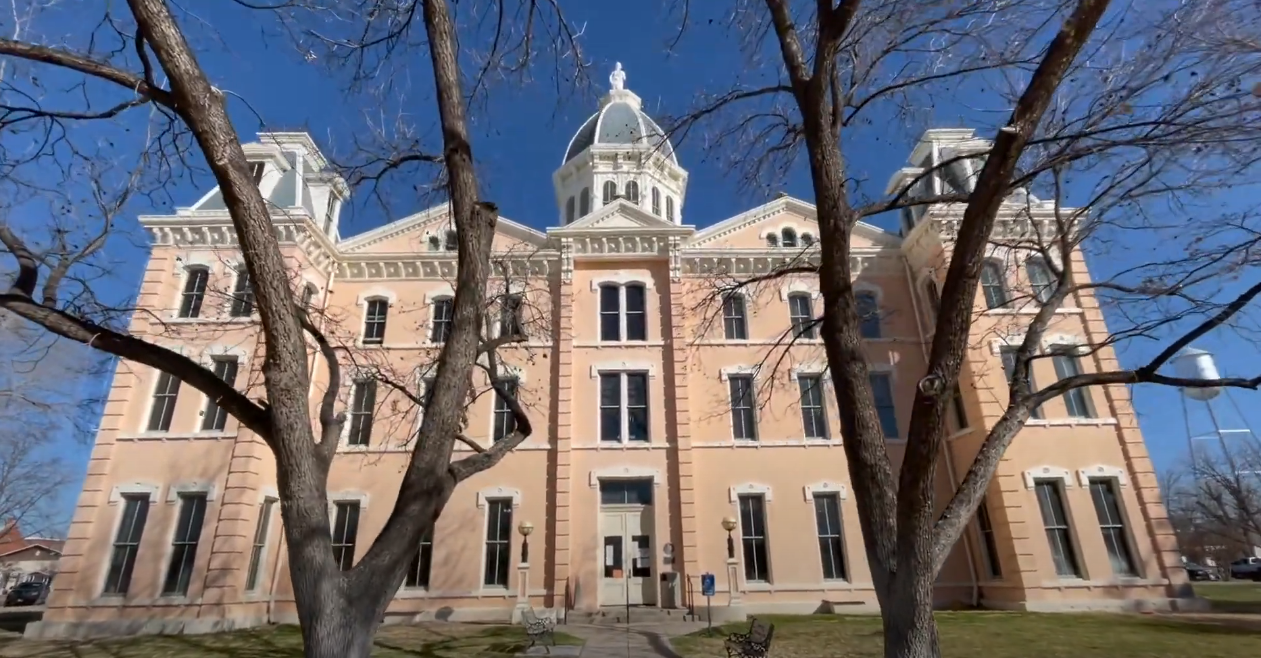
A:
(634, 641)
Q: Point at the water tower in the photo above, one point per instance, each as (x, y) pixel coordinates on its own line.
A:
(1211, 413)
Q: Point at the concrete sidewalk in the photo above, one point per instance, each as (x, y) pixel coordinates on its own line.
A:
(633, 641)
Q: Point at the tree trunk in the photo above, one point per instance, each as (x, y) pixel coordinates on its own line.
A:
(340, 629)
(910, 631)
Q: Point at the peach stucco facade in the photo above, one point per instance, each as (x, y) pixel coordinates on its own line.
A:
(642, 442)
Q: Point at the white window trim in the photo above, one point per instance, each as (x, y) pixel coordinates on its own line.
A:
(798, 286)
(237, 267)
(138, 487)
(621, 280)
(624, 431)
(1100, 472)
(812, 369)
(445, 290)
(825, 488)
(1077, 346)
(624, 366)
(624, 473)
(1033, 475)
(173, 492)
(268, 492)
(182, 350)
(391, 300)
(748, 326)
(431, 299)
(749, 489)
(865, 286)
(509, 288)
(184, 264)
(349, 496)
(494, 493)
(376, 293)
(349, 377)
(727, 371)
(506, 372)
(207, 361)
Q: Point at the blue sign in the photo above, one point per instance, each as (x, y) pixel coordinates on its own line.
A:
(707, 584)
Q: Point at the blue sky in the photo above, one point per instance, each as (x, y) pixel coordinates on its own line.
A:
(520, 136)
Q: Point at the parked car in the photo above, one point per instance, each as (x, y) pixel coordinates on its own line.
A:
(1200, 572)
(28, 593)
(1248, 568)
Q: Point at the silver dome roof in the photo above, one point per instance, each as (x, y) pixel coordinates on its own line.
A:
(620, 122)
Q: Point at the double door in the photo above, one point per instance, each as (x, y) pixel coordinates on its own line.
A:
(626, 556)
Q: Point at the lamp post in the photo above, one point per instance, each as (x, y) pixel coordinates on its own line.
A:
(733, 575)
(523, 571)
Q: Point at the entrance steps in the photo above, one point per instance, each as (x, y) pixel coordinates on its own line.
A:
(617, 615)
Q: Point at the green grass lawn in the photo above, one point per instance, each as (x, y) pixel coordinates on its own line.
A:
(1240, 597)
(1005, 635)
(429, 640)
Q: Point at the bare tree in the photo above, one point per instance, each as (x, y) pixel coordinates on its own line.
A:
(144, 60)
(1215, 499)
(1115, 118)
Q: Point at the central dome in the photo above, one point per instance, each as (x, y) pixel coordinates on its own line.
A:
(621, 121)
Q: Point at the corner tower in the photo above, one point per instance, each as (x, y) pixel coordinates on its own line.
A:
(620, 153)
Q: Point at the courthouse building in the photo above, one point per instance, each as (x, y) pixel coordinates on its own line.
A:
(666, 418)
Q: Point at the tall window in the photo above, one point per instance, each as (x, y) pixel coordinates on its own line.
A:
(261, 530)
(957, 410)
(422, 564)
(215, 418)
(788, 238)
(814, 415)
(992, 563)
(801, 314)
(772, 240)
(623, 312)
(329, 211)
(505, 421)
(882, 391)
(584, 202)
(184, 546)
(757, 566)
(670, 208)
(165, 395)
(345, 531)
(1058, 533)
(827, 516)
(569, 211)
(992, 285)
(498, 542)
(609, 192)
(868, 314)
(807, 240)
(624, 407)
(734, 322)
(1067, 364)
(126, 543)
(374, 318)
(743, 408)
(1040, 279)
(242, 295)
(511, 322)
(934, 298)
(449, 242)
(194, 291)
(1008, 355)
(308, 296)
(363, 399)
(656, 201)
(632, 192)
(1112, 524)
(441, 329)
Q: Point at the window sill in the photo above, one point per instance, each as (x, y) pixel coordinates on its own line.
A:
(777, 443)
(1030, 310)
(1070, 422)
(619, 343)
(413, 593)
(210, 320)
(494, 592)
(610, 445)
(176, 436)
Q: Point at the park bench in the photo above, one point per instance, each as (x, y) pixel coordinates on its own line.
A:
(538, 627)
(754, 644)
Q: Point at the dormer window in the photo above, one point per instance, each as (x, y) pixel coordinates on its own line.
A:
(632, 192)
(435, 243)
(610, 192)
(450, 243)
(807, 240)
(772, 240)
(788, 238)
(256, 172)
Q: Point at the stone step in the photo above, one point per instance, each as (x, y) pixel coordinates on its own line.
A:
(616, 615)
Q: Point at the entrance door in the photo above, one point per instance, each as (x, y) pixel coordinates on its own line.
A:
(626, 548)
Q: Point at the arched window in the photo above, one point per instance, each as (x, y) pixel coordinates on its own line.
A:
(801, 314)
(868, 314)
(440, 328)
(807, 240)
(992, 285)
(656, 202)
(1040, 279)
(584, 202)
(569, 211)
(632, 192)
(435, 243)
(610, 191)
(788, 238)
(670, 208)
(374, 317)
(772, 240)
(450, 243)
(198, 276)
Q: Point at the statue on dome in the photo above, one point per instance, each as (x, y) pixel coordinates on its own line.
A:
(618, 77)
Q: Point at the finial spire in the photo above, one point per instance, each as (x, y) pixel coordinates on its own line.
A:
(617, 79)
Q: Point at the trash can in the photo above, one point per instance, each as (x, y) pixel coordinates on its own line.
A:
(671, 597)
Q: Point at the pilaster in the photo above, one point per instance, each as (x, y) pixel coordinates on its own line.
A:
(563, 482)
(689, 554)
